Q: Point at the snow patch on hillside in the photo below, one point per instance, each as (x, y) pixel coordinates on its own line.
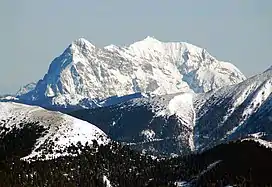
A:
(267, 144)
(148, 134)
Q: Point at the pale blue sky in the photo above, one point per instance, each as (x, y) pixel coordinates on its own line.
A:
(34, 32)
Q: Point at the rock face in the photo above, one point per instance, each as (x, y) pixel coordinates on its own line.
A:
(185, 122)
(84, 71)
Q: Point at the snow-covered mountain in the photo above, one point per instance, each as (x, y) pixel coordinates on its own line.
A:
(184, 122)
(52, 132)
(86, 72)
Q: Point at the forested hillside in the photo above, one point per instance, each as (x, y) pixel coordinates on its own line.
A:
(238, 163)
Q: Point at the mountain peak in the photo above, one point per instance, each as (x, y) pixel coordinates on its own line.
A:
(149, 41)
(150, 38)
(82, 43)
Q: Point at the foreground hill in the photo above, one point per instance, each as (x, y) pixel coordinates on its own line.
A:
(245, 163)
(47, 134)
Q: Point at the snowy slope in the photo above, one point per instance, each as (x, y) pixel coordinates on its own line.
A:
(201, 71)
(234, 112)
(148, 66)
(61, 130)
(267, 144)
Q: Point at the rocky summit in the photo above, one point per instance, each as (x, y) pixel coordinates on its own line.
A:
(86, 73)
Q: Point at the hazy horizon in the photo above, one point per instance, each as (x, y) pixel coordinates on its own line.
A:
(34, 33)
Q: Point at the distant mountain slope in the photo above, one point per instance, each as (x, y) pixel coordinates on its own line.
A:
(234, 112)
(25, 89)
(185, 122)
(85, 72)
(50, 132)
(156, 125)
